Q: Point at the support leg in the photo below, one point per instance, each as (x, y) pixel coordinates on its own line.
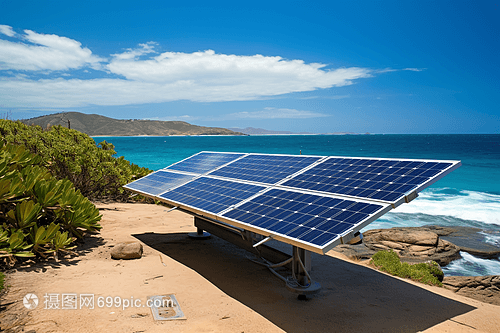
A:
(302, 283)
(199, 234)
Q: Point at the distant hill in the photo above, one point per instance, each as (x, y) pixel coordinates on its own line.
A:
(94, 125)
(256, 131)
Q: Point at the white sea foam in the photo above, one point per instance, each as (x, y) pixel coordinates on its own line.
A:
(491, 237)
(469, 265)
(450, 207)
(465, 205)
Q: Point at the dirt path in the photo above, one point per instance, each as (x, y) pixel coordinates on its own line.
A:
(219, 290)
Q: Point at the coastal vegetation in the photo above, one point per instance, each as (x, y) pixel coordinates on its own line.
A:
(47, 179)
(428, 273)
(39, 214)
(70, 154)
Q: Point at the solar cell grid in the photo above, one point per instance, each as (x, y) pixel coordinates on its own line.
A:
(315, 220)
(159, 182)
(211, 195)
(268, 169)
(386, 180)
(310, 218)
(204, 162)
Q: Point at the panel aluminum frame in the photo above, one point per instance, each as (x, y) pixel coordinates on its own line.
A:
(410, 195)
(345, 236)
(205, 152)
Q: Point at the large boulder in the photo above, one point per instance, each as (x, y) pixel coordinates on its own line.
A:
(483, 288)
(468, 239)
(127, 250)
(357, 251)
(411, 245)
(419, 244)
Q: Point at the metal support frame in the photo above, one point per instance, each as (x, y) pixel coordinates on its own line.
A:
(199, 234)
(240, 238)
(301, 282)
(300, 262)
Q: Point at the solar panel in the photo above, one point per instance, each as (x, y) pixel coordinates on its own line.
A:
(308, 201)
(211, 195)
(204, 162)
(268, 169)
(316, 220)
(158, 182)
(386, 180)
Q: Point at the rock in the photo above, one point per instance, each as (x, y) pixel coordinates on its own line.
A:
(358, 251)
(419, 244)
(472, 240)
(402, 236)
(356, 240)
(412, 245)
(482, 288)
(127, 250)
(468, 239)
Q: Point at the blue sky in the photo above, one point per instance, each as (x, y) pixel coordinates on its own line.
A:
(321, 67)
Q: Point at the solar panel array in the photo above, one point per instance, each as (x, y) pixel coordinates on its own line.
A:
(268, 169)
(386, 180)
(211, 195)
(204, 162)
(159, 182)
(307, 217)
(308, 201)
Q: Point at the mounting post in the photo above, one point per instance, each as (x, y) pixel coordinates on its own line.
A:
(302, 284)
(199, 234)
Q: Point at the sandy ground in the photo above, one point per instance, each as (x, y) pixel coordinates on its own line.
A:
(220, 290)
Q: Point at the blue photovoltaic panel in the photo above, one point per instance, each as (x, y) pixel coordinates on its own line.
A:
(314, 219)
(268, 169)
(331, 199)
(158, 182)
(383, 179)
(211, 195)
(204, 162)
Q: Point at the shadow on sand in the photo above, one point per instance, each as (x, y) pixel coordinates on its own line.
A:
(353, 298)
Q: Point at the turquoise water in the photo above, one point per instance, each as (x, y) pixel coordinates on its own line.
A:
(469, 196)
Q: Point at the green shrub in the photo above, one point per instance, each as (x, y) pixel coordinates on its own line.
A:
(69, 154)
(388, 261)
(39, 214)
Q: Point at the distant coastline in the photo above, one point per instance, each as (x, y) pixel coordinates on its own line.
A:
(210, 135)
(97, 125)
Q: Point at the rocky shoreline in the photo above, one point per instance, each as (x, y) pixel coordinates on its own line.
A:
(433, 243)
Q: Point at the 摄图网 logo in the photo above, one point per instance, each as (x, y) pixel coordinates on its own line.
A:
(30, 301)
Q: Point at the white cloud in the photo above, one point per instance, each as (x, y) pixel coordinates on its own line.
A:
(199, 76)
(258, 75)
(132, 54)
(389, 70)
(7, 30)
(45, 52)
(386, 70)
(63, 93)
(74, 92)
(267, 113)
(276, 113)
(149, 77)
(414, 69)
(326, 97)
(185, 118)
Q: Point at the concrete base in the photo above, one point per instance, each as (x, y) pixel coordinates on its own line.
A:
(199, 234)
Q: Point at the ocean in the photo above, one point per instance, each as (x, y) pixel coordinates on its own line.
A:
(469, 196)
